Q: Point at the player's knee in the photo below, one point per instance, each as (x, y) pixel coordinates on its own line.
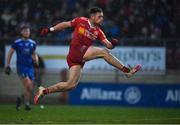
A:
(72, 85)
(28, 86)
(105, 51)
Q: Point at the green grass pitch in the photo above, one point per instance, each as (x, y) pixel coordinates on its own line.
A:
(54, 114)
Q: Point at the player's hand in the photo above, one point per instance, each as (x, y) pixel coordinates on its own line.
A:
(44, 31)
(8, 70)
(114, 42)
(36, 64)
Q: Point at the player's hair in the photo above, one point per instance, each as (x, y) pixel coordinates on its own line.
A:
(23, 26)
(95, 10)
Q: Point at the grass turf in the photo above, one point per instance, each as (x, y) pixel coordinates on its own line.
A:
(87, 114)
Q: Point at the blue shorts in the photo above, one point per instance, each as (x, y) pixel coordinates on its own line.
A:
(24, 72)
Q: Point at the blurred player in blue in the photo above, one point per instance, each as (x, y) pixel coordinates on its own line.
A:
(26, 57)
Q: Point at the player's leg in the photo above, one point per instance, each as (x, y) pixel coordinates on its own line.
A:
(74, 75)
(28, 86)
(96, 52)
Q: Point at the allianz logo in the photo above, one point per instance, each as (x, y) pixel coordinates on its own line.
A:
(99, 94)
(131, 95)
(173, 95)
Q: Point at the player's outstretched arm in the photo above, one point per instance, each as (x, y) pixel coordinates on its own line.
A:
(8, 60)
(110, 44)
(61, 26)
(58, 27)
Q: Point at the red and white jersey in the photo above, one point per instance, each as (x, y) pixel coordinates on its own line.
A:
(84, 33)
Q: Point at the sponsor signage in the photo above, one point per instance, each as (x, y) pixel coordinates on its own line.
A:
(133, 95)
(151, 58)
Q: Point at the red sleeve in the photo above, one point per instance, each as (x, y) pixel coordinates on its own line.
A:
(75, 21)
(101, 35)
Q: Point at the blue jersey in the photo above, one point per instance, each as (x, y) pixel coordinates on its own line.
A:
(24, 50)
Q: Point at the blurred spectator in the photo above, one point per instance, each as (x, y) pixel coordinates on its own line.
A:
(123, 18)
(6, 16)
